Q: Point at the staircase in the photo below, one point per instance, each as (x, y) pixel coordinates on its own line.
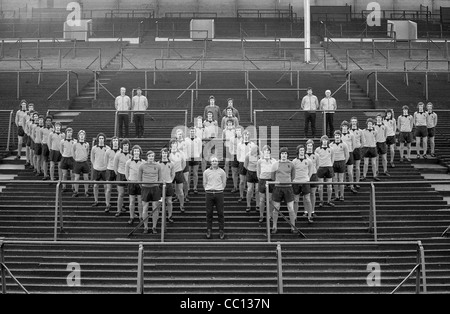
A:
(218, 268)
(87, 94)
(358, 95)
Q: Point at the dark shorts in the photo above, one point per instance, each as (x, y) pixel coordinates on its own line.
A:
(369, 152)
(32, 145)
(357, 154)
(81, 167)
(67, 163)
(303, 189)
(110, 175)
(170, 190)
(252, 177)
(281, 193)
(45, 152)
(421, 131)
(194, 162)
(381, 148)
(20, 131)
(313, 178)
(431, 132)
(350, 160)
(135, 189)
(235, 162)
(325, 172)
(390, 140)
(99, 175)
(262, 186)
(339, 166)
(121, 177)
(38, 149)
(405, 137)
(242, 170)
(55, 156)
(28, 143)
(179, 178)
(150, 194)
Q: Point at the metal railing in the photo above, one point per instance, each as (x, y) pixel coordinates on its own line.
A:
(148, 111)
(11, 123)
(26, 60)
(372, 223)
(297, 111)
(5, 269)
(117, 112)
(194, 15)
(419, 269)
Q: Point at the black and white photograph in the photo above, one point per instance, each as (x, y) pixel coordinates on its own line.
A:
(229, 153)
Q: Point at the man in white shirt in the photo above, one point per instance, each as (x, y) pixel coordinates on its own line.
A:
(310, 104)
(123, 106)
(139, 105)
(328, 105)
(214, 182)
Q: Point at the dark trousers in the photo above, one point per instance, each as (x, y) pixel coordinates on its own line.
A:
(310, 117)
(139, 124)
(214, 199)
(123, 123)
(329, 124)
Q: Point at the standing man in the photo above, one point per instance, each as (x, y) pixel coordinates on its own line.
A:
(283, 172)
(139, 105)
(99, 165)
(405, 124)
(341, 157)
(80, 152)
(328, 105)
(194, 156)
(431, 127)
(369, 148)
(214, 182)
(54, 143)
(110, 174)
(150, 173)
(325, 171)
(391, 125)
(310, 104)
(45, 132)
(381, 138)
(214, 109)
(123, 106)
(230, 106)
(421, 130)
(20, 115)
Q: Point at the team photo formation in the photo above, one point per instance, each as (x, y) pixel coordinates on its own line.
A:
(216, 137)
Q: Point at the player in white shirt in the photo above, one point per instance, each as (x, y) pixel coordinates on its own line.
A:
(391, 125)
(194, 155)
(341, 156)
(349, 139)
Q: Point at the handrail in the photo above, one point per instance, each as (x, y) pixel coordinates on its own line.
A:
(58, 204)
(5, 269)
(9, 128)
(418, 269)
(376, 86)
(219, 60)
(140, 268)
(427, 61)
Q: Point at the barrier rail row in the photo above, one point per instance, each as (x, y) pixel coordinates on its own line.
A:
(59, 207)
(419, 268)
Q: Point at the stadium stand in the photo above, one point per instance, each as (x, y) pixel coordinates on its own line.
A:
(400, 226)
